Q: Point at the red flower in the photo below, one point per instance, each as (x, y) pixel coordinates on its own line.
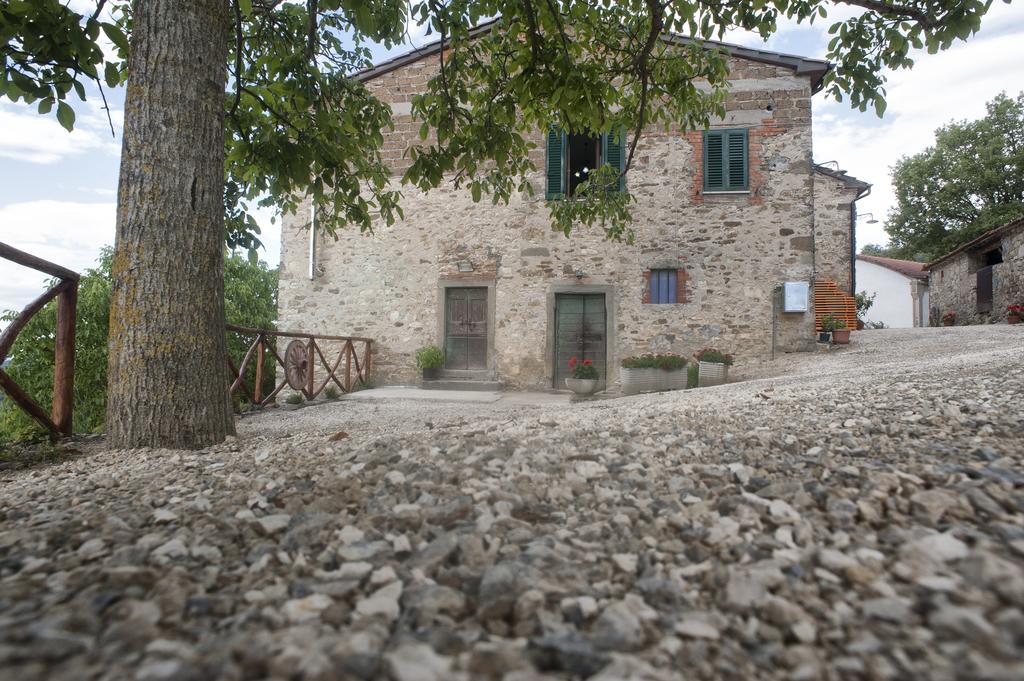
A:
(587, 362)
(572, 362)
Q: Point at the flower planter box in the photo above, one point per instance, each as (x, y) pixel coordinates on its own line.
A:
(841, 336)
(636, 381)
(581, 386)
(712, 373)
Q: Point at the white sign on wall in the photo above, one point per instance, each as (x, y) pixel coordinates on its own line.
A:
(795, 296)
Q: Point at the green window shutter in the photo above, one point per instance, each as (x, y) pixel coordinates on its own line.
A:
(714, 160)
(725, 160)
(613, 152)
(736, 150)
(556, 164)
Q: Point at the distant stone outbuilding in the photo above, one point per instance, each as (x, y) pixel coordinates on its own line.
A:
(900, 290)
(723, 219)
(978, 280)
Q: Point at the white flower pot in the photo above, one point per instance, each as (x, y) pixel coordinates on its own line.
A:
(581, 386)
(635, 381)
(712, 373)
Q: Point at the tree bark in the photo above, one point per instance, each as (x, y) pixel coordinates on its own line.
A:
(167, 338)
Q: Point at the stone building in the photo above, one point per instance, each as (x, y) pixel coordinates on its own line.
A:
(723, 219)
(981, 278)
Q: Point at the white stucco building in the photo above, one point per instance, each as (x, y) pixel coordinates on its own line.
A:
(900, 288)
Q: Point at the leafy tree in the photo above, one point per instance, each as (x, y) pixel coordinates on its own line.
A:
(969, 182)
(250, 299)
(877, 249)
(297, 123)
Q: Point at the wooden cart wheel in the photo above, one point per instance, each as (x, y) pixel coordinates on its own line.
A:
(296, 365)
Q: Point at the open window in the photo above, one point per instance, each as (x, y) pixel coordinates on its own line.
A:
(571, 158)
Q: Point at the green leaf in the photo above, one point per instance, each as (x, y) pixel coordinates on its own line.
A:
(45, 104)
(879, 105)
(116, 36)
(245, 6)
(111, 74)
(65, 116)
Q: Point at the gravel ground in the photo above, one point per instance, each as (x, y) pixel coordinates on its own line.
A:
(862, 517)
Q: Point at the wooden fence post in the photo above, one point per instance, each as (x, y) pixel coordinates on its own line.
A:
(64, 358)
(257, 391)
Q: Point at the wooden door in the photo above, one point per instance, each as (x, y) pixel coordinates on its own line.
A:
(580, 332)
(985, 289)
(465, 334)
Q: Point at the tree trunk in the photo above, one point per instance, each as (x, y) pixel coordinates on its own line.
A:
(167, 347)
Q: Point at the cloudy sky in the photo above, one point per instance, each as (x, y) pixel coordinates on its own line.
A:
(57, 190)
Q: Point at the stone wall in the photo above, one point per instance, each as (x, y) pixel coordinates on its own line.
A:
(736, 249)
(953, 282)
(832, 232)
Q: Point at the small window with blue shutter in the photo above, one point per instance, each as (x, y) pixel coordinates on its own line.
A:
(725, 160)
(571, 158)
(663, 287)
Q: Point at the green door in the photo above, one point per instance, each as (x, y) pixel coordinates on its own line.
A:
(465, 336)
(580, 332)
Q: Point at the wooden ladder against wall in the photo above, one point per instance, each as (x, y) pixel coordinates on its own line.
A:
(830, 299)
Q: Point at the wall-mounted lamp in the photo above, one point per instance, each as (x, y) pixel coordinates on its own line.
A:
(580, 274)
(870, 218)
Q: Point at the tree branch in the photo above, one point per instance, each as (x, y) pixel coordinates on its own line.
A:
(887, 9)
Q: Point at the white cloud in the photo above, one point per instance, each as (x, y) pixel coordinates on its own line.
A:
(66, 233)
(28, 136)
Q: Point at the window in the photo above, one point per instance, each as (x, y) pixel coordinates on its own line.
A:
(571, 158)
(663, 287)
(725, 160)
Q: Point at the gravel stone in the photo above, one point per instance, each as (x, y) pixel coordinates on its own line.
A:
(857, 513)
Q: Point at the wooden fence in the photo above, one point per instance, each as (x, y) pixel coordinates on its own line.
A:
(58, 422)
(829, 299)
(298, 361)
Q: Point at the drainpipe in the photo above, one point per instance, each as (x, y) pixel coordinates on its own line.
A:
(853, 239)
(312, 238)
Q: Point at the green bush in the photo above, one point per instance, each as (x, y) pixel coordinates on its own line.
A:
(429, 357)
(692, 376)
(713, 356)
(294, 398)
(250, 299)
(666, 362)
(332, 393)
(828, 323)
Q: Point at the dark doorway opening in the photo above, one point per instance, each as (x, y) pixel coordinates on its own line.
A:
(584, 155)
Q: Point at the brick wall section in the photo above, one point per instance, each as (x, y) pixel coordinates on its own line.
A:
(953, 283)
(732, 252)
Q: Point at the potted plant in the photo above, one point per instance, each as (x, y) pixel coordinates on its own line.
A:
(949, 319)
(584, 376)
(841, 334)
(864, 303)
(650, 373)
(713, 367)
(429, 360)
(1014, 313)
(828, 325)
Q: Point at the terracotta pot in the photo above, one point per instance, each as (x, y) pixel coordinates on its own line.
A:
(1013, 319)
(841, 336)
(581, 386)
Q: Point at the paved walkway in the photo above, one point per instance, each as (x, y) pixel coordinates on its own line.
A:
(482, 396)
